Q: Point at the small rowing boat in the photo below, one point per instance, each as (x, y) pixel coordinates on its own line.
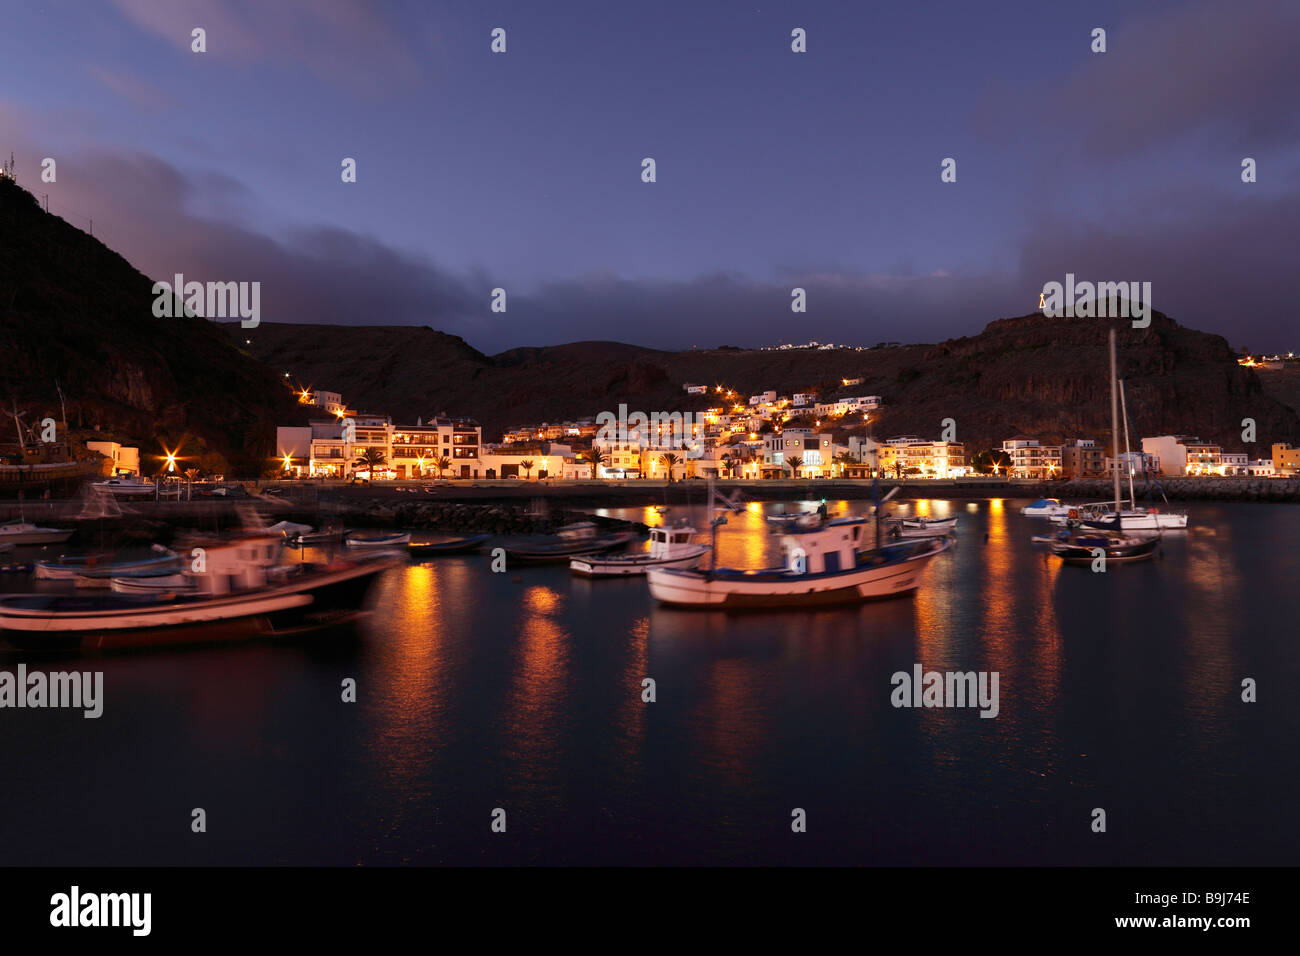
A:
(397, 539)
(463, 545)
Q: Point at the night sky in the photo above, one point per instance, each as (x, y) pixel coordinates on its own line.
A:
(775, 169)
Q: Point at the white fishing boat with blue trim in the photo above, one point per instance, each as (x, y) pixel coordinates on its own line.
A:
(830, 563)
(669, 548)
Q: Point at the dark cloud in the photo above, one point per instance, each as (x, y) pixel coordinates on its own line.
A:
(1228, 71)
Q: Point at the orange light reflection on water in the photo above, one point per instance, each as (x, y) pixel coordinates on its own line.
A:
(540, 688)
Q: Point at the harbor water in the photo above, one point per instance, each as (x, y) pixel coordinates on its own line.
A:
(518, 698)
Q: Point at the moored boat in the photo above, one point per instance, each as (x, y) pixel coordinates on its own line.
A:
(1084, 548)
(828, 564)
(239, 590)
(1045, 508)
(669, 548)
(397, 539)
(449, 546)
(1107, 537)
(24, 532)
(579, 538)
(920, 527)
(68, 568)
(126, 487)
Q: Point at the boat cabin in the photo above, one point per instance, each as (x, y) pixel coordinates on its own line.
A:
(667, 542)
(237, 564)
(829, 547)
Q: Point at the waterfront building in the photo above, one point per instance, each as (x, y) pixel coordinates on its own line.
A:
(812, 449)
(1133, 463)
(119, 459)
(1029, 459)
(1286, 459)
(1083, 459)
(909, 455)
(1185, 455)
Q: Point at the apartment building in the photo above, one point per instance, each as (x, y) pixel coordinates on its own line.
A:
(1286, 459)
(812, 449)
(1084, 458)
(1029, 459)
(1185, 455)
(909, 455)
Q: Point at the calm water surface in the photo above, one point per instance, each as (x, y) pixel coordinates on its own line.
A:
(523, 691)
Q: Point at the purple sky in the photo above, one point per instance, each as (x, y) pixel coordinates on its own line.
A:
(821, 170)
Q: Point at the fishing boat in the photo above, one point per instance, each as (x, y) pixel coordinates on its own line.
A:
(1086, 546)
(241, 591)
(828, 564)
(669, 548)
(1045, 508)
(24, 532)
(68, 568)
(462, 545)
(126, 487)
(579, 538)
(394, 540)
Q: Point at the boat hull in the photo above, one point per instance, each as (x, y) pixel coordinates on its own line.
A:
(771, 589)
(458, 546)
(1146, 522)
(564, 550)
(1080, 553)
(51, 536)
(384, 541)
(589, 566)
(113, 622)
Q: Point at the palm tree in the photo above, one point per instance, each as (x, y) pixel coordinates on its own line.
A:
(597, 459)
(369, 459)
(795, 464)
(443, 464)
(844, 458)
(669, 461)
(527, 466)
(727, 465)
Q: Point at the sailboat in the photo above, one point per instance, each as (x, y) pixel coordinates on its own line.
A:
(1107, 537)
(1135, 518)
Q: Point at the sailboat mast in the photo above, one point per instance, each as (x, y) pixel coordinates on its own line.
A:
(1114, 417)
(1123, 410)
